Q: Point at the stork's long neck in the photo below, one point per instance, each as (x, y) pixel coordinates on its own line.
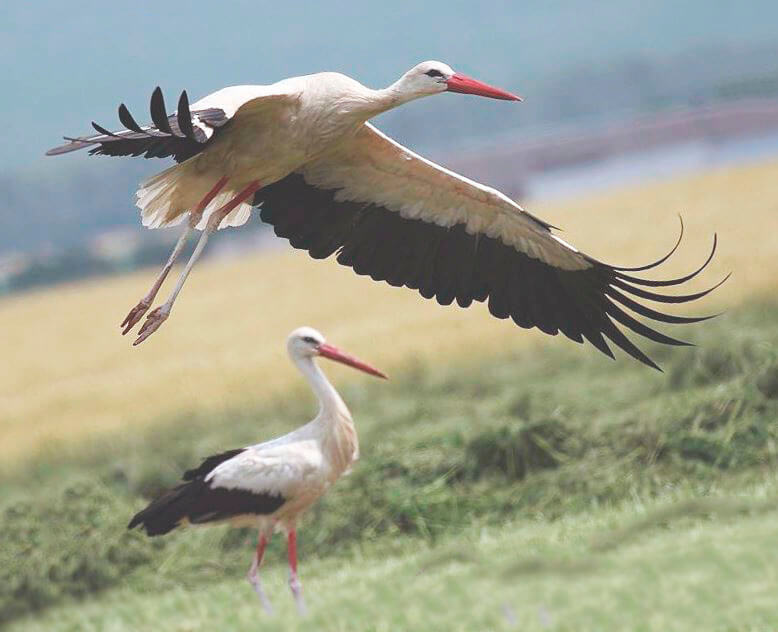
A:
(392, 96)
(374, 102)
(333, 425)
(330, 403)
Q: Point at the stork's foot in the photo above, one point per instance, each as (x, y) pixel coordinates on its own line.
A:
(136, 313)
(253, 578)
(153, 321)
(297, 592)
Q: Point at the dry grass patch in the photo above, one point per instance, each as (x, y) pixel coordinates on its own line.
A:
(69, 374)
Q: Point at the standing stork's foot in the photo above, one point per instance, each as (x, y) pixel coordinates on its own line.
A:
(253, 574)
(136, 313)
(297, 592)
(294, 581)
(153, 321)
(257, 586)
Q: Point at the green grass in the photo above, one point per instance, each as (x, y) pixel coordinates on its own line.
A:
(556, 489)
(699, 573)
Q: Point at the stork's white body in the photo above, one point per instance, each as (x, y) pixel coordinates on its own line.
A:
(299, 466)
(268, 485)
(274, 129)
(316, 124)
(303, 152)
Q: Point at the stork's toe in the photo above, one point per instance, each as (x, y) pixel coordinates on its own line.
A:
(153, 322)
(134, 315)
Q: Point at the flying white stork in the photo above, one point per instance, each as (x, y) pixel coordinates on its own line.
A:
(268, 485)
(330, 182)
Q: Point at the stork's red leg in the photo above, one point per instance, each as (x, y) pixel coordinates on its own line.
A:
(294, 580)
(210, 195)
(137, 312)
(253, 574)
(159, 315)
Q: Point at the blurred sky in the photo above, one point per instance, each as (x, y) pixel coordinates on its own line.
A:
(67, 63)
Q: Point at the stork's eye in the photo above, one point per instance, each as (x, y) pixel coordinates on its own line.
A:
(434, 73)
(309, 339)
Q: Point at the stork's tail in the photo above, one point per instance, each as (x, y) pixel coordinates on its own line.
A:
(166, 199)
(166, 512)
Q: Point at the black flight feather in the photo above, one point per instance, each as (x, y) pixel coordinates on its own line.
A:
(174, 135)
(159, 112)
(448, 262)
(126, 118)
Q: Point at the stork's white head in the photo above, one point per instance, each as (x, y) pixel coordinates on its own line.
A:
(433, 77)
(306, 342)
(428, 77)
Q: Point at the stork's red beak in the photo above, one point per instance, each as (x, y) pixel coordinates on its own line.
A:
(333, 353)
(467, 85)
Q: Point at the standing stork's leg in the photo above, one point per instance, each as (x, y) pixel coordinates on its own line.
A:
(158, 316)
(294, 580)
(253, 575)
(137, 312)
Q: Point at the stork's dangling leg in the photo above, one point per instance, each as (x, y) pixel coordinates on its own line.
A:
(158, 316)
(137, 312)
(294, 580)
(253, 574)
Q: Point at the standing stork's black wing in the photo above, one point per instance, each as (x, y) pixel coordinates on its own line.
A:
(198, 501)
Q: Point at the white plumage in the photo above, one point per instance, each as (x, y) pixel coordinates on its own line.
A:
(371, 168)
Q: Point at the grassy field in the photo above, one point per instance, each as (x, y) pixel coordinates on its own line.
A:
(556, 491)
(704, 574)
(72, 372)
(529, 484)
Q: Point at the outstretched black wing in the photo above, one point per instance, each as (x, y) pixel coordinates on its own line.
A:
(180, 135)
(449, 263)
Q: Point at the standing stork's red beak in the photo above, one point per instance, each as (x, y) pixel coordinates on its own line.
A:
(468, 85)
(333, 353)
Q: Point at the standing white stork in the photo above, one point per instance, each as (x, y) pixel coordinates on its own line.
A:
(268, 485)
(330, 182)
